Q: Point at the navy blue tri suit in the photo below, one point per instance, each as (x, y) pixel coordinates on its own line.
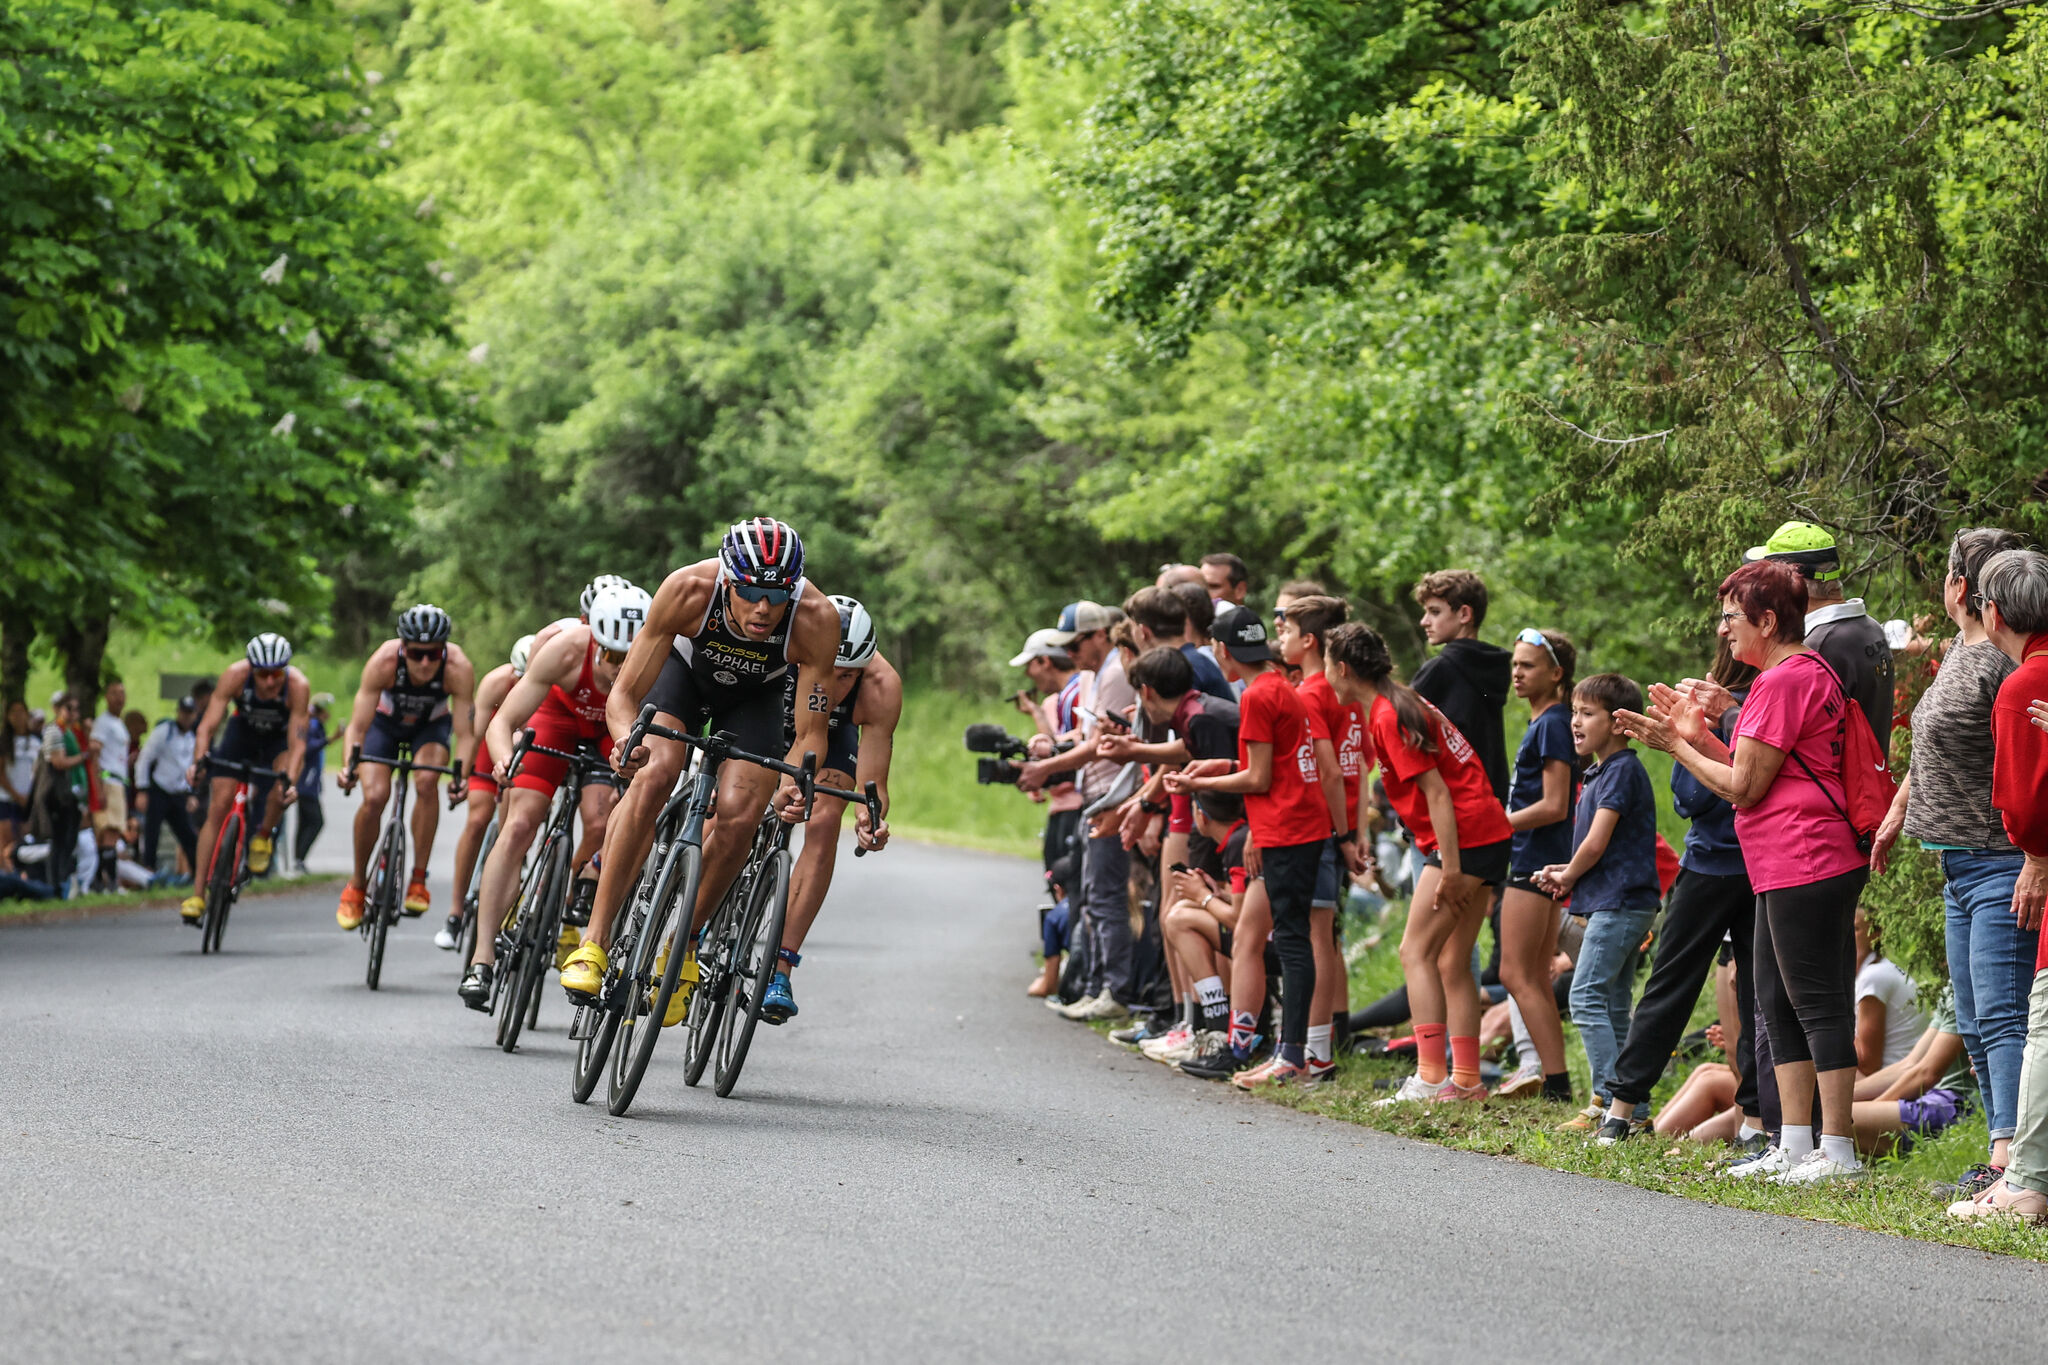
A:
(259, 731)
(842, 736)
(723, 679)
(410, 714)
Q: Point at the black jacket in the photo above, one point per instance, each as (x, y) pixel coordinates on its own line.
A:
(1468, 682)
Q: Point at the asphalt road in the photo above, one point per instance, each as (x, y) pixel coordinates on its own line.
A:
(251, 1157)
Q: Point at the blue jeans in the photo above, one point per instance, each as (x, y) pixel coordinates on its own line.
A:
(1991, 961)
(1603, 981)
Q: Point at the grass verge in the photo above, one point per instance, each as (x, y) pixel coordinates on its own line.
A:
(37, 912)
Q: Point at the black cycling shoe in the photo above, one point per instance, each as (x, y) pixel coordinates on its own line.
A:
(578, 912)
(475, 989)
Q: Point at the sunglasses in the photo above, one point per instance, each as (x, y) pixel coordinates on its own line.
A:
(266, 673)
(422, 655)
(1529, 635)
(774, 597)
(614, 657)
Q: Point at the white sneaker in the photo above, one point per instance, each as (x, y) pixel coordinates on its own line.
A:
(1055, 1004)
(1174, 1037)
(1527, 1080)
(1415, 1090)
(1079, 1009)
(1771, 1161)
(1820, 1169)
(444, 939)
(1103, 1006)
(1198, 1042)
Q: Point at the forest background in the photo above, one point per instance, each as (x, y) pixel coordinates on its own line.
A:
(318, 307)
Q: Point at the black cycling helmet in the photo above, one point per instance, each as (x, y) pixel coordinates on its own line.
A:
(425, 624)
(762, 552)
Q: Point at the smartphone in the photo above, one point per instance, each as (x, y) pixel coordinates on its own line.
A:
(1178, 867)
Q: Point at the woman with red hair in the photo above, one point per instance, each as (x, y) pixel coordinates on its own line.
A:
(1784, 778)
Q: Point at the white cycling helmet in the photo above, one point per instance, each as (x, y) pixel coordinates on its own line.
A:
(269, 650)
(616, 615)
(856, 634)
(521, 647)
(596, 586)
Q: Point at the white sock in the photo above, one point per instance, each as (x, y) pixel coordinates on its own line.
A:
(1796, 1141)
(1319, 1046)
(1209, 990)
(1745, 1133)
(1840, 1150)
(1526, 1056)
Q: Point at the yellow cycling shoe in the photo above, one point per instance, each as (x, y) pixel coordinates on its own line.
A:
(686, 981)
(349, 914)
(583, 973)
(259, 855)
(193, 908)
(566, 945)
(417, 901)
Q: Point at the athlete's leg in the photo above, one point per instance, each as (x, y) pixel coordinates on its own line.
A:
(743, 794)
(595, 807)
(426, 806)
(216, 812)
(811, 878)
(629, 830)
(525, 808)
(482, 805)
(376, 788)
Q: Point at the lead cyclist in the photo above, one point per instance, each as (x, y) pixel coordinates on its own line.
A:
(866, 694)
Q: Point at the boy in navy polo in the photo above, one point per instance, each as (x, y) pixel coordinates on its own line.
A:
(1611, 880)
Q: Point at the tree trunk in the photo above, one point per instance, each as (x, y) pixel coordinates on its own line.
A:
(82, 646)
(17, 633)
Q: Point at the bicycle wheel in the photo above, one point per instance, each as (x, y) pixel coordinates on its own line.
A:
(220, 884)
(646, 998)
(753, 967)
(538, 920)
(714, 967)
(381, 905)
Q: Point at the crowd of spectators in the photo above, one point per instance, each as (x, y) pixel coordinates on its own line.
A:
(84, 802)
(1222, 781)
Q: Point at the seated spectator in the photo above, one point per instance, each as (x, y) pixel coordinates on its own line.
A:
(1054, 929)
(1924, 1091)
(1611, 881)
(1202, 910)
(1888, 1021)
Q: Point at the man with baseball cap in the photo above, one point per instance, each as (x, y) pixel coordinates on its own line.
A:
(1041, 644)
(1838, 628)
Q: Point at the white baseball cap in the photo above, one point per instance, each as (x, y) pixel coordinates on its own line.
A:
(1041, 644)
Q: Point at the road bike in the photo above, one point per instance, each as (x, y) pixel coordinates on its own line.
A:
(532, 929)
(384, 895)
(622, 1025)
(225, 877)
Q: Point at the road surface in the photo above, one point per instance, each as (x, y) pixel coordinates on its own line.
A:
(251, 1157)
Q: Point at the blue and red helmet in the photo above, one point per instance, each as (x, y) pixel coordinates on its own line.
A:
(763, 553)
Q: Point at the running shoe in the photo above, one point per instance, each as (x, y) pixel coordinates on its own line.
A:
(1613, 1130)
(1219, 1061)
(1415, 1090)
(1769, 1162)
(349, 914)
(1318, 1074)
(777, 1004)
(259, 854)
(446, 937)
(417, 901)
(1525, 1084)
(1177, 1047)
(583, 973)
(1078, 1009)
(1268, 1075)
(193, 909)
(475, 989)
(1587, 1120)
(1741, 1149)
(1103, 1007)
(1820, 1169)
(1173, 1037)
(1970, 1183)
(2003, 1199)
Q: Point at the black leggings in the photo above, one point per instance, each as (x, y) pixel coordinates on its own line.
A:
(1290, 874)
(1701, 910)
(1806, 970)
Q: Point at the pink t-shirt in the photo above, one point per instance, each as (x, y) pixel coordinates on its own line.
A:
(1794, 836)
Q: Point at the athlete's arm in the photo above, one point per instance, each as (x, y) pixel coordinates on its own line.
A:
(379, 673)
(813, 645)
(298, 692)
(461, 702)
(877, 713)
(679, 608)
(230, 683)
(558, 664)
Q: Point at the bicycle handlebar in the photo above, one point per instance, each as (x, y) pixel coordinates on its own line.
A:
(227, 767)
(356, 756)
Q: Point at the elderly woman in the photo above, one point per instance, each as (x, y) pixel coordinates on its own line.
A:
(1946, 805)
(1784, 778)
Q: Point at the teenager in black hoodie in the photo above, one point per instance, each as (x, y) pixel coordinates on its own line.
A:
(1468, 680)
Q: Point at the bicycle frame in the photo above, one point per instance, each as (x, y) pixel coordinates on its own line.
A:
(381, 908)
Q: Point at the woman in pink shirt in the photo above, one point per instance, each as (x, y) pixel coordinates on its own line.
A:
(1784, 778)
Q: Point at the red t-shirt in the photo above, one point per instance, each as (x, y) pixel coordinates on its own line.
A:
(2019, 769)
(1481, 821)
(1346, 724)
(1291, 810)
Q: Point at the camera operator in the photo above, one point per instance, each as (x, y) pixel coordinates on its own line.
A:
(1106, 698)
(1056, 720)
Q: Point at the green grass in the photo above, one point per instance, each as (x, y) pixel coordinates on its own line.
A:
(139, 659)
(146, 900)
(932, 786)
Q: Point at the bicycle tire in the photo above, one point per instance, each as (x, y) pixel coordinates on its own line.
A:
(759, 937)
(707, 1006)
(514, 930)
(220, 884)
(536, 946)
(378, 909)
(639, 1027)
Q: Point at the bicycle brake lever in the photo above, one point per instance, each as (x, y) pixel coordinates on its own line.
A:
(870, 798)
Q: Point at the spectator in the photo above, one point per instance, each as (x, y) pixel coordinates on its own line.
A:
(1945, 803)
(1468, 679)
(1159, 617)
(1225, 577)
(1611, 882)
(1711, 910)
(161, 791)
(110, 815)
(17, 777)
(2015, 607)
(1054, 928)
(1436, 783)
(1802, 856)
(67, 795)
(311, 818)
(1056, 717)
(1837, 628)
(1172, 575)
(1889, 1021)
(1205, 898)
(1540, 812)
(1922, 1093)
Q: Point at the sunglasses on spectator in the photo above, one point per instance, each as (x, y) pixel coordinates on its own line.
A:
(774, 597)
(1529, 635)
(422, 655)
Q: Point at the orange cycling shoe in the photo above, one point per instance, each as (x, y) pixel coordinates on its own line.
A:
(349, 914)
(416, 902)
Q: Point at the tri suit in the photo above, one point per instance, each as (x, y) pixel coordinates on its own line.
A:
(411, 713)
(842, 736)
(571, 721)
(259, 731)
(722, 678)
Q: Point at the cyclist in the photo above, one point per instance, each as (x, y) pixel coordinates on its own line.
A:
(721, 636)
(867, 701)
(483, 783)
(415, 693)
(268, 730)
(561, 697)
(582, 616)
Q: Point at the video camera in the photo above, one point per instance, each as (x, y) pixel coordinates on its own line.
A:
(985, 738)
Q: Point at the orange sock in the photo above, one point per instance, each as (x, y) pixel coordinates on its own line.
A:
(1465, 1061)
(1429, 1052)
